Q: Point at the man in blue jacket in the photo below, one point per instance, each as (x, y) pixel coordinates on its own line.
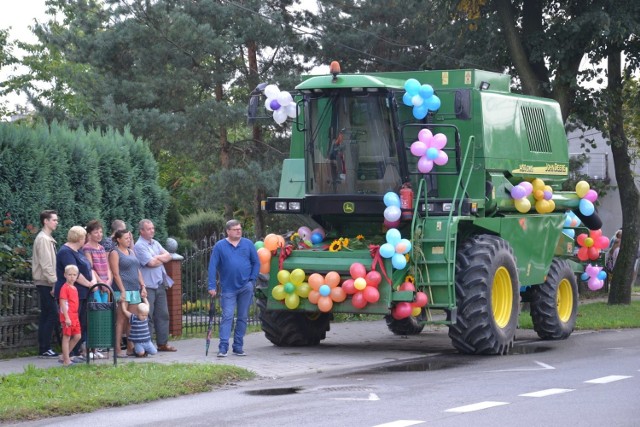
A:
(236, 260)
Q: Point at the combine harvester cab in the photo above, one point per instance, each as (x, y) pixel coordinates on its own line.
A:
(444, 183)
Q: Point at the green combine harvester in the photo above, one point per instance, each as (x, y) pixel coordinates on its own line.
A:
(473, 252)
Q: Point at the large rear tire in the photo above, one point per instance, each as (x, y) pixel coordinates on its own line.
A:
(554, 304)
(487, 296)
(293, 329)
(408, 326)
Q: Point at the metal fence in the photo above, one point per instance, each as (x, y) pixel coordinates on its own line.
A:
(195, 297)
(19, 310)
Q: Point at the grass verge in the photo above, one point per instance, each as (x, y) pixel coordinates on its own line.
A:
(79, 389)
(599, 315)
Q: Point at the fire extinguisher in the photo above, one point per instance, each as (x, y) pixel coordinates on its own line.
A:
(406, 201)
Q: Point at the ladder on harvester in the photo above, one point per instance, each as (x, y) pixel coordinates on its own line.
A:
(434, 244)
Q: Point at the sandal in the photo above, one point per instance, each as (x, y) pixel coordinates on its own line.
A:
(123, 356)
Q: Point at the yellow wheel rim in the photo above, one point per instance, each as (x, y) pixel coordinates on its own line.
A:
(502, 297)
(564, 300)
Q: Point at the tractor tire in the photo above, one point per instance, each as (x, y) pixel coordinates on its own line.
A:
(285, 328)
(487, 296)
(554, 304)
(409, 326)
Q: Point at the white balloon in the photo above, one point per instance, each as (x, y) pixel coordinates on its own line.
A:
(267, 104)
(392, 213)
(280, 116)
(271, 91)
(292, 110)
(417, 100)
(284, 98)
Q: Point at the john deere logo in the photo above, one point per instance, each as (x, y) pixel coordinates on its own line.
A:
(349, 207)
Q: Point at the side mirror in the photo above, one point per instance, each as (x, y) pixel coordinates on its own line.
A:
(254, 102)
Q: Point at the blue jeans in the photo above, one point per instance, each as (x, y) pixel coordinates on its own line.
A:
(142, 347)
(241, 298)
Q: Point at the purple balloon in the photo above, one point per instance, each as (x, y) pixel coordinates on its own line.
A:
(527, 186)
(592, 196)
(425, 165)
(274, 104)
(518, 192)
(548, 195)
(418, 148)
(442, 158)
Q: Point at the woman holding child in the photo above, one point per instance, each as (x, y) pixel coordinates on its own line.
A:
(129, 286)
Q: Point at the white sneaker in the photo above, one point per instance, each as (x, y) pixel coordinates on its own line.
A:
(98, 355)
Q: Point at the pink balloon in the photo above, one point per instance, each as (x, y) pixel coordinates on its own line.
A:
(401, 311)
(371, 294)
(425, 165)
(348, 287)
(442, 158)
(439, 141)
(602, 242)
(373, 278)
(418, 148)
(594, 283)
(304, 232)
(358, 301)
(407, 286)
(391, 224)
(592, 196)
(357, 270)
(425, 135)
(527, 186)
(401, 247)
(421, 299)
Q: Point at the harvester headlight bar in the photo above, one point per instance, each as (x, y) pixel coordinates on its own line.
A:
(446, 207)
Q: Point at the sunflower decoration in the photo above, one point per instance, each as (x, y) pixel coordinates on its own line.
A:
(335, 246)
(345, 242)
(409, 278)
(294, 236)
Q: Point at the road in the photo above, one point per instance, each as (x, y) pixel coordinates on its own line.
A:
(592, 379)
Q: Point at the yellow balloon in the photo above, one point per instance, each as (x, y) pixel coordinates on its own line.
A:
(297, 276)
(537, 184)
(303, 289)
(582, 187)
(542, 206)
(552, 205)
(415, 311)
(292, 301)
(588, 242)
(283, 276)
(522, 205)
(278, 292)
(548, 188)
(360, 283)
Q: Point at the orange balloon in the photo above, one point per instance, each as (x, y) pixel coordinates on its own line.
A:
(264, 255)
(265, 268)
(325, 304)
(280, 241)
(271, 242)
(332, 279)
(315, 281)
(313, 297)
(338, 294)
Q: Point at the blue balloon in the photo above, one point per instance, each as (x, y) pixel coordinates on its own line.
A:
(325, 290)
(407, 243)
(567, 221)
(586, 207)
(420, 112)
(432, 153)
(393, 237)
(316, 238)
(602, 275)
(398, 261)
(406, 99)
(426, 91)
(584, 277)
(412, 86)
(570, 232)
(433, 103)
(391, 199)
(387, 250)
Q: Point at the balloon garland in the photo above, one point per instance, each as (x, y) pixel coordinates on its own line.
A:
(402, 310)
(395, 248)
(591, 245)
(594, 276)
(362, 286)
(421, 98)
(291, 287)
(587, 198)
(325, 290)
(429, 149)
(281, 103)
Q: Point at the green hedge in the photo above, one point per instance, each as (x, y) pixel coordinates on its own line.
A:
(82, 175)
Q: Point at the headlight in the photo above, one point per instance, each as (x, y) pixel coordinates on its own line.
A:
(294, 206)
(281, 206)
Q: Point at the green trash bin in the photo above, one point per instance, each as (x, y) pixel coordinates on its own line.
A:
(101, 318)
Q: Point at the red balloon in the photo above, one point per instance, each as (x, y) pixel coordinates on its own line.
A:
(595, 234)
(357, 270)
(407, 286)
(348, 287)
(371, 294)
(358, 301)
(602, 242)
(594, 253)
(583, 253)
(580, 239)
(421, 299)
(401, 311)
(373, 278)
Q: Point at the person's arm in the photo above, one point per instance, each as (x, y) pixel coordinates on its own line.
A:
(64, 307)
(114, 263)
(43, 247)
(213, 271)
(255, 263)
(125, 306)
(143, 288)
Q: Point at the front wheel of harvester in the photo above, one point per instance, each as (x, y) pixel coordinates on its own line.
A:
(286, 328)
(487, 296)
(554, 304)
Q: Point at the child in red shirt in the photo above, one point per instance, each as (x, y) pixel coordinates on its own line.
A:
(69, 319)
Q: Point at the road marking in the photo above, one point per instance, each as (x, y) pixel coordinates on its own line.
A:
(543, 367)
(547, 392)
(608, 379)
(476, 406)
(400, 423)
(372, 396)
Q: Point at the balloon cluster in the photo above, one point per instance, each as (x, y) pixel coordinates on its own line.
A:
(314, 236)
(325, 290)
(594, 276)
(588, 198)
(392, 211)
(291, 287)
(428, 148)
(395, 248)
(591, 245)
(266, 249)
(402, 310)
(543, 194)
(281, 103)
(362, 285)
(570, 220)
(420, 97)
(519, 194)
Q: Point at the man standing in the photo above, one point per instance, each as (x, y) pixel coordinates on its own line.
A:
(236, 259)
(152, 257)
(43, 271)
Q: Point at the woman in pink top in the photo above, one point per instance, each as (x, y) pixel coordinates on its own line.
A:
(97, 256)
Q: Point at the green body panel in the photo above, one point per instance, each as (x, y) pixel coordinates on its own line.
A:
(292, 179)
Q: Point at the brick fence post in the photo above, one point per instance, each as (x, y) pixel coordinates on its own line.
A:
(174, 295)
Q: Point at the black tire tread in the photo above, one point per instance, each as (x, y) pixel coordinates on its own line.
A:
(293, 329)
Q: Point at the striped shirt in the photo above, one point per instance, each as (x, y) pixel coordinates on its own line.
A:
(139, 331)
(98, 258)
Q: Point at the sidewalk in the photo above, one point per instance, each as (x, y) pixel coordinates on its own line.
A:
(348, 345)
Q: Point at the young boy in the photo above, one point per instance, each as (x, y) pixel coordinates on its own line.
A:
(69, 319)
(139, 333)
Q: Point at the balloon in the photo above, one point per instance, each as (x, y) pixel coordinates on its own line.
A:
(278, 292)
(591, 196)
(584, 276)
(602, 275)
(593, 253)
(325, 304)
(280, 116)
(425, 136)
(421, 111)
(318, 230)
(391, 224)
(316, 238)
(548, 195)
(297, 276)
(401, 247)
(416, 100)
(349, 287)
(432, 153)
(314, 296)
(271, 91)
(518, 192)
(398, 261)
(421, 299)
(586, 207)
(315, 281)
(371, 294)
(274, 105)
(284, 98)
(325, 290)
(522, 205)
(387, 250)
(595, 284)
(332, 279)
(595, 234)
(439, 141)
(537, 184)
(338, 294)
(292, 110)
(264, 255)
(406, 99)
(527, 186)
(292, 301)
(582, 187)
(391, 199)
(304, 232)
(265, 268)
(412, 86)
(418, 148)
(392, 213)
(425, 165)
(407, 286)
(303, 290)
(602, 242)
(289, 288)
(426, 91)
(360, 283)
(373, 278)
(393, 236)
(433, 103)
(280, 241)
(357, 270)
(583, 254)
(271, 242)
(415, 311)
(581, 238)
(402, 310)
(538, 194)
(588, 242)
(442, 158)
(259, 244)
(358, 301)
(569, 232)
(407, 245)
(283, 276)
